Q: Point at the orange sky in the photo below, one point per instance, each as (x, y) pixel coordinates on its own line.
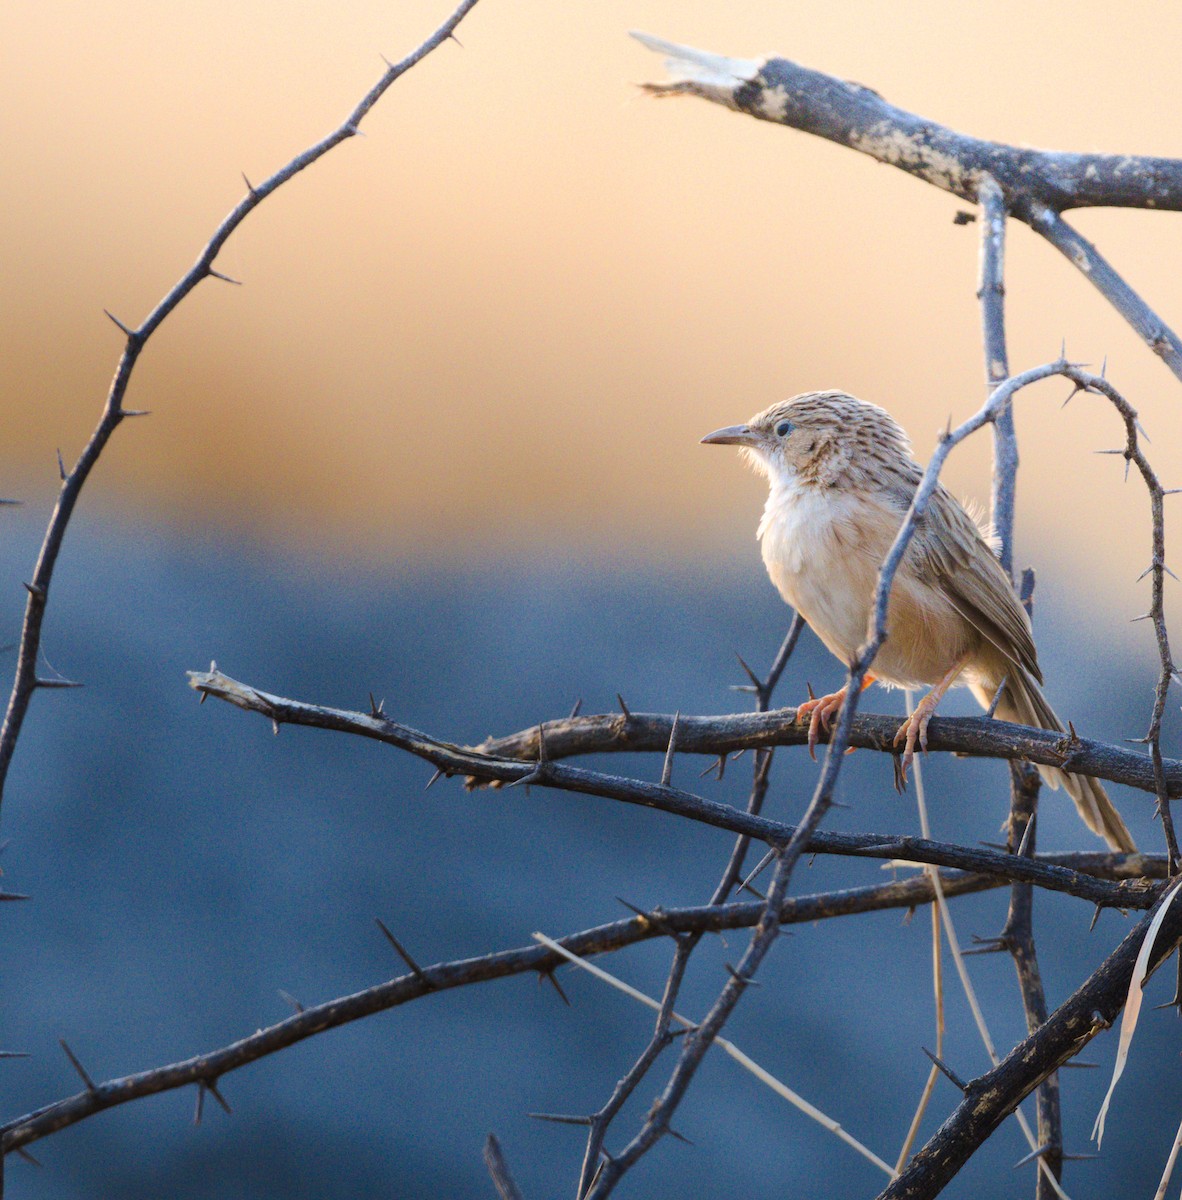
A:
(502, 319)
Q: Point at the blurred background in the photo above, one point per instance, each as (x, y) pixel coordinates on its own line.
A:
(443, 445)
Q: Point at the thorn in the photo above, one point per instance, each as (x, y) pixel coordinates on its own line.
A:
(1104, 367)
(759, 868)
(1095, 917)
(457, 41)
(574, 712)
(212, 1088)
(59, 684)
(667, 769)
(1001, 687)
(1078, 1157)
(376, 707)
(1122, 450)
(1171, 491)
(809, 687)
(623, 707)
(945, 1069)
(655, 917)
(35, 590)
(560, 1118)
(534, 776)
(389, 64)
(1071, 730)
(415, 969)
(988, 946)
(199, 1108)
(223, 278)
(744, 980)
(745, 688)
(553, 981)
(1027, 834)
(1143, 617)
(1032, 1156)
(61, 466)
(86, 1079)
(249, 186)
(542, 755)
(1063, 350)
(134, 412)
(749, 672)
(27, 1156)
(679, 1136)
(127, 332)
(1077, 1065)
(438, 773)
(291, 1000)
(275, 726)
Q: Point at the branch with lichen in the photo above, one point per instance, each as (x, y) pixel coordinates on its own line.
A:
(1036, 186)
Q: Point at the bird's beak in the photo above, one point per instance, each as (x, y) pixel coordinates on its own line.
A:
(732, 435)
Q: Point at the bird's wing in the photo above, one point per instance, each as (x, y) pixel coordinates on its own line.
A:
(950, 546)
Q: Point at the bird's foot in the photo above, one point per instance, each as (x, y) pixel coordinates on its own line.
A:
(820, 711)
(915, 730)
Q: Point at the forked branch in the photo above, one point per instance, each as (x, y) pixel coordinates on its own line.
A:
(1036, 186)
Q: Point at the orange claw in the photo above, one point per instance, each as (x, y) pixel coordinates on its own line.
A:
(821, 710)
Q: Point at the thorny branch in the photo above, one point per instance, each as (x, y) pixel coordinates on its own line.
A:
(1018, 933)
(206, 1069)
(656, 1123)
(730, 734)
(685, 946)
(989, 1099)
(675, 801)
(1036, 185)
(26, 681)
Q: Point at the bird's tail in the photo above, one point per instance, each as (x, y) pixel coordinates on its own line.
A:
(1024, 703)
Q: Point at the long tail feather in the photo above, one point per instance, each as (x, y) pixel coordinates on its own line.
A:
(1024, 703)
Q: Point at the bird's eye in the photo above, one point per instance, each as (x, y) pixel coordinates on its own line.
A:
(784, 429)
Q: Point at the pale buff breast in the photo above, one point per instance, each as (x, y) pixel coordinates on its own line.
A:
(823, 548)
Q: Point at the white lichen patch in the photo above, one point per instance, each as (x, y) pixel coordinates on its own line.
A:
(912, 153)
(773, 102)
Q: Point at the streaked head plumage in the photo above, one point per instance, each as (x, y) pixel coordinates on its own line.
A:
(817, 437)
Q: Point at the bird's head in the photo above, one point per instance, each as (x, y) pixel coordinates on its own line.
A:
(817, 437)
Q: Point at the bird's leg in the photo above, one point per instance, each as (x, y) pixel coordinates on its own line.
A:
(915, 728)
(823, 709)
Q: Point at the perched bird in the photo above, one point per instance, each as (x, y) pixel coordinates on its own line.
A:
(841, 478)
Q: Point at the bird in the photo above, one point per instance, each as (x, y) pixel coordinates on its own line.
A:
(841, 479)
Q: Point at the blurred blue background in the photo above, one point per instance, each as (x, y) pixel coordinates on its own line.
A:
(185, 865)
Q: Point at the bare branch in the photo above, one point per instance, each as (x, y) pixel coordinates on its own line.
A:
(204, 1070)
(681, 803)
(993, 1096)
(1152, 330)
(25, 682)
(714, 735)
(850, 114)
(1035, 185)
